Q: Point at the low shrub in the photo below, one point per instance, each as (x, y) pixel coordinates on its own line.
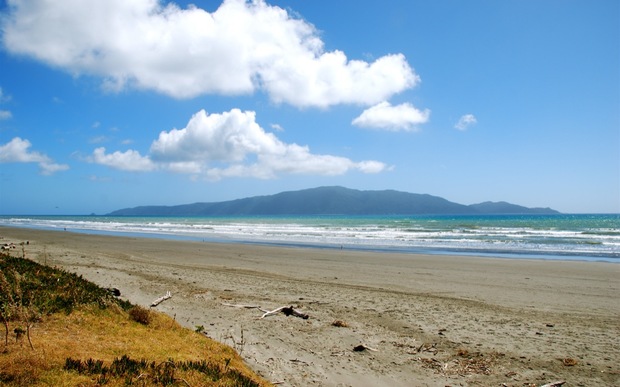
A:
(140, 314)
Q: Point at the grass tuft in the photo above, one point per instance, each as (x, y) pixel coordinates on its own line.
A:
(140, 314)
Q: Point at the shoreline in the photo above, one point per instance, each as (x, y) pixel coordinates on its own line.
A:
(495, 254)
(507, 320)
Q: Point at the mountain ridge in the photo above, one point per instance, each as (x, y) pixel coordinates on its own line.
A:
(333, 200)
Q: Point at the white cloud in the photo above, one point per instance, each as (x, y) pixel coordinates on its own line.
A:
(277, 127)
(372, 167)
(49, 167)
(4, 97)
(230, 144)
(5, 114)
(17, 151)
(225, 137)
(395, 118)
(465, 122)
(129, 160)
(241, 47)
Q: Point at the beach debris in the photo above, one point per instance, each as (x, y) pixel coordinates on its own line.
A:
(462, 352)
(340, 324)
(569, 362)
(242, 306)
(362, 347)
(299, 361)
(427, 347)
(287, 310)
(554, 384)
(161, 299)
(8, 246)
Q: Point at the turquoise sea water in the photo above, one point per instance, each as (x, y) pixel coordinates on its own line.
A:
(583, 237)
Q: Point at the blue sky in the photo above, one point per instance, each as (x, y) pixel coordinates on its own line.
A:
(107, 104)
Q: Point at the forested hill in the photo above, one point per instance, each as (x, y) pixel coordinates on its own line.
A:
(333, 201)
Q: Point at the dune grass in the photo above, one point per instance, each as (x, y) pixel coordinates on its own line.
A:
(75, 333)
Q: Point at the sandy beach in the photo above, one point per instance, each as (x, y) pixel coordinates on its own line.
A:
(421, 320)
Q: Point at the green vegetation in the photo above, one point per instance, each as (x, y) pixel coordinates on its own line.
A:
(48, 290)
(69, 322)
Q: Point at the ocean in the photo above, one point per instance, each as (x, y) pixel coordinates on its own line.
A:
(569, 237)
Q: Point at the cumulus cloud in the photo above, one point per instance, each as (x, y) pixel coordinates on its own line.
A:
(465, 122)
(230, 144)
(129, 160)
(17, 151)
(242, 47)
(395, 118)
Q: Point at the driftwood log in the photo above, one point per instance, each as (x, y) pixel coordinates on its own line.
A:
(243, 306)
(161, 299)
(287, 310)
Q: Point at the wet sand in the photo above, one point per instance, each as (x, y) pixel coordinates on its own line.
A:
(423, 320)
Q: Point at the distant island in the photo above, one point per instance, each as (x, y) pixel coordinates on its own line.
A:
(334, 201)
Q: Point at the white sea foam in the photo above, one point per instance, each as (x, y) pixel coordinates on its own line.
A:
(525, 236)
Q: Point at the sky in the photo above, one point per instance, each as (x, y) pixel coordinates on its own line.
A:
(108, 104)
